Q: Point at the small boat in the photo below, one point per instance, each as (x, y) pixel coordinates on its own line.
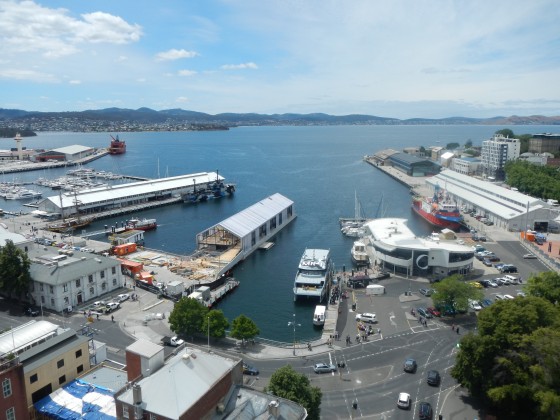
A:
(117, 147)
(320, 315)
(144, 224)
(314, 275)
(23, 195)
(70, 224)
(359, 253)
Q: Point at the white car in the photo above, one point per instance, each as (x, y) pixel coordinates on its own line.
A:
(492, 283)
(404, 401)
(499, 297)
(508, 297)
(113, 306)
(475, 305)
(529, 256)
(98, 304)
(123, 297)
(366, 317)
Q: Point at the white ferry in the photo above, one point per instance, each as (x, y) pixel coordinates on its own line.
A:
(319, 315)
(314, 275)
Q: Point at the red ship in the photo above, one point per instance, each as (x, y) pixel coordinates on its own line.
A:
(438, 211)
(117, 146)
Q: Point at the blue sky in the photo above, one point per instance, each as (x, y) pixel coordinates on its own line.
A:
(392, 58)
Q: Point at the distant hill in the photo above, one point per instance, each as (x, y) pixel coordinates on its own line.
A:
(121, 119)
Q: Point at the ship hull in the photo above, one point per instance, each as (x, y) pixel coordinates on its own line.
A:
(433, 219)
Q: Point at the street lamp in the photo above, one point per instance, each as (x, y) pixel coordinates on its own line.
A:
(293, 323)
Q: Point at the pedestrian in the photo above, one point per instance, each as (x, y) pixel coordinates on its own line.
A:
(112, 318)
(98, 317)
(452, 327)
(457, 329)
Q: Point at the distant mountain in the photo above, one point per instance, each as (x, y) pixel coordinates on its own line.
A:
(121, 119)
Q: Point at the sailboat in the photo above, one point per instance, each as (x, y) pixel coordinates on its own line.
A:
(71, 223)
(354, 226)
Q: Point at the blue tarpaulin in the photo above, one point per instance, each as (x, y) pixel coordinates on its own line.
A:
(79, 400)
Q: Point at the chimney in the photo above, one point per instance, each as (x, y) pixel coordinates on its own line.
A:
(274, 408)
(136, 394)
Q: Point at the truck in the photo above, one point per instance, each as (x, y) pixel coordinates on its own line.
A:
(172, 341)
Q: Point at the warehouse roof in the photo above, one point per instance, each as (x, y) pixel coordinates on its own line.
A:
(246, 221)
(72, 150)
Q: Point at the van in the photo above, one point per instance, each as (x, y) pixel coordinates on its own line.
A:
(375, 289)
(512, 279)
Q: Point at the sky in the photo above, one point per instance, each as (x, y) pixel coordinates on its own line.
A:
(388, 58)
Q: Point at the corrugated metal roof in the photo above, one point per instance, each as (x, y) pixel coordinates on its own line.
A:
(24, 334)
(117, 192)
(144, 348)
(73, 149)
(246, 221)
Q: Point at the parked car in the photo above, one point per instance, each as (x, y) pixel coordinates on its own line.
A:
(112, 306)
(423, 312)
(499, 265)
(492, 283)
(529, 256)
(32, 311)
(499, 297)
(426, 292)
(487, 262)
(366, 317)
(404, 401)
(410, 365)
(521, 294)
(434, 378)
(98, 304)
(510, 297)
(485, 302)
(123, 297)
(493, 258)
(433, 311)
(250, 370)
(475, 284)
(482, 238)
(425, 411)
(324, 368)
(475, 305)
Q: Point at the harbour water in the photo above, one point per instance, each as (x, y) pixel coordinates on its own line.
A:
(319, 168)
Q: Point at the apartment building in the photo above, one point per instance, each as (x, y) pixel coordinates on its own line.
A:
(496, 152)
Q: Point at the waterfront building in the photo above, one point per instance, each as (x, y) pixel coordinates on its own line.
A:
(62, 282)
(65, 154)
(496, 152)
(96, 200)
(396, 248)
(504, 207)
(412, 165)
(40, 358)
(381, 158)
(235, 238)
(544, 142)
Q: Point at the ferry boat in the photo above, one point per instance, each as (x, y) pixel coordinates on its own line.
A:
(359, 253)
(216, 189)
(314, 275)
(320, 315)
(117, 147)
(439, 211)
(144, 224)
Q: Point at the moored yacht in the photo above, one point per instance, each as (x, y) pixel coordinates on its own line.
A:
(319, 315)
(359, 253)
(314, 275)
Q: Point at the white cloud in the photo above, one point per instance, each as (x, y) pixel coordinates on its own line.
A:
(186, 72)
(174, 54)
(75, 82)
(182, 99)
(249, 65)
(30, 75)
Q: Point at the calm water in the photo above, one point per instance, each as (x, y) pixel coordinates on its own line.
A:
(319, 168)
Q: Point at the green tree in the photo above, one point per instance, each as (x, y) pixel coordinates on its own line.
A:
(468, 144)
(452, 146)
(506, 132)
(187, 317)
(287, 383)
(14, 270)
(243, 328)
(512, 361)
(452, 292)
(545, 285)
(218, 323)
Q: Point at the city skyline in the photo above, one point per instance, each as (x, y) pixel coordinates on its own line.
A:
(397, 59)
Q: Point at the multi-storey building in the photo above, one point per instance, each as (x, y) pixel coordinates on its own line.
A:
(466, 165)
(62, 282)
(38, 358)
(496, 152)
(545, 142)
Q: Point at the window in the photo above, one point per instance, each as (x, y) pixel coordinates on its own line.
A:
(65, 287)
(60, 363)
(7, 387)
(66, 300)
(91, 291)
(279, 218)
(78, 353)
(42, 299)
(62, 379)
(51, 289)
(90, 278)
(11, 413)
(33, 378)
(41, 286)
(114, 282)
(80, 369)
(78, 283)
(290, 211)
(103, 286)
(52, 302)
(253, 238)
(102, 274)
(125, 411)
(113, 270)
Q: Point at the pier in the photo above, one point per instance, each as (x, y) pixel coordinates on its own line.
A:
(417, 184)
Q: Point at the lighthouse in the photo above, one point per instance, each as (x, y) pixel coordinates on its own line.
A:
(18, 140)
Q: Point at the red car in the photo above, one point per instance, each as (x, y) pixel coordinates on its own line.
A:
(433, 311)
